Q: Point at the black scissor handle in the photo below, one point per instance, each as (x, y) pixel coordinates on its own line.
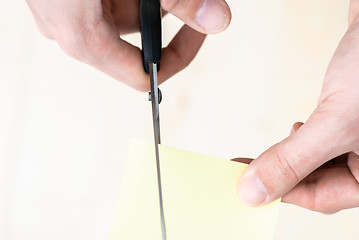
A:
(151, 32)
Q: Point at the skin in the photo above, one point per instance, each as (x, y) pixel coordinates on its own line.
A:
(91, 30)
(317, 166)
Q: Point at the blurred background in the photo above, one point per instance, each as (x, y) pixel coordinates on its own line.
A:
(65, 127)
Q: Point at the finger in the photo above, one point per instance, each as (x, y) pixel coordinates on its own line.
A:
(340, 161)
(284, 165)
(326, 191)
(125, 14)
(205, 16)
(39, 23)
(295, 127)
(353, 164)
(180, 52)
(100, 46)
(243, 160)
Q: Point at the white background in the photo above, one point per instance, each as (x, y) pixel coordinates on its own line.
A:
(65, 127)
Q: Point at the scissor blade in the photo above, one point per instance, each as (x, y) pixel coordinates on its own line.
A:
(156, 129)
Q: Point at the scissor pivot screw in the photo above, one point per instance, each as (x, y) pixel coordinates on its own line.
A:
(159, 96)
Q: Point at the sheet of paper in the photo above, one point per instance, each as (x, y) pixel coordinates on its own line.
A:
(199, 194)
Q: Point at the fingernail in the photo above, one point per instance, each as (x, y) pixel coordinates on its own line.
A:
(252, 191)
(213, 16)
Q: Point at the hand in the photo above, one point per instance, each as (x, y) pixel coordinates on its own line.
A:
(90, 30)
(317, 166)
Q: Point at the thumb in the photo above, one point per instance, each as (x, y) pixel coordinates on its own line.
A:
(281, 167)
(205, 16)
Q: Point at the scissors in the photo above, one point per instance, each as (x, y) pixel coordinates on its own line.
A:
(151, 34)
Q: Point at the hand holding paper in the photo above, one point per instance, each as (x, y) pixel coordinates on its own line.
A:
(200, 199)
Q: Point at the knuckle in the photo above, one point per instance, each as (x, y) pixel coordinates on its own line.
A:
(319, 202)
(44, 31)
(169, 5)
(135, 79)
(72, 46)
(79, 41)
(46, 34)
(142, 86)
(326, 209)
(285, 165)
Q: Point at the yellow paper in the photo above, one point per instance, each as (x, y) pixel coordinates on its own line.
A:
(199, 194)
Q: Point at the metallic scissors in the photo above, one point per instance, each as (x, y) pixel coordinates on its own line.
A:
(151, 33)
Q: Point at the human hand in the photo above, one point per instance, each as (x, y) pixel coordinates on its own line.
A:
(317, 166)
(90, 32)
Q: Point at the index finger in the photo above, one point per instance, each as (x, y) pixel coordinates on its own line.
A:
(100, 46)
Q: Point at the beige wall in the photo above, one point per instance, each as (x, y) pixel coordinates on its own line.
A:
(65, 127)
